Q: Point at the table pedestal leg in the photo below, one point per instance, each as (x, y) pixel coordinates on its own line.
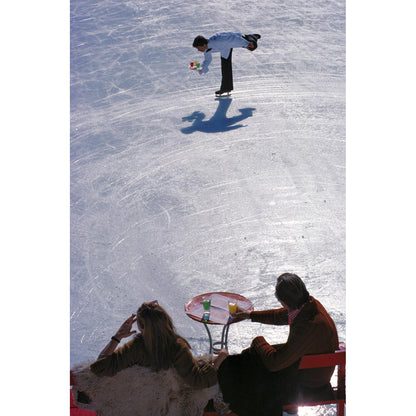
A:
(224, 336)
(211, 346)
(224, 339)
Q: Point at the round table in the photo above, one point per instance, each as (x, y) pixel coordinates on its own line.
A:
(219, 313)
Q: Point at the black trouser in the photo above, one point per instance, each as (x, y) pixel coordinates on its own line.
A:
(251, 390)
(227, 73)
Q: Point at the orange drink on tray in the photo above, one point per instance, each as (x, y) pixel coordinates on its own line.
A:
(232, 306)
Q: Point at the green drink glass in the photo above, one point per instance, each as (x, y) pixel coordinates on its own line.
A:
(206, 302)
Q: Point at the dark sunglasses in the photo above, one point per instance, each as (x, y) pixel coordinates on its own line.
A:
(147, 306)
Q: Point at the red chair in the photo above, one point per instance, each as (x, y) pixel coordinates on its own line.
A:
(74, 410)
(333, 395)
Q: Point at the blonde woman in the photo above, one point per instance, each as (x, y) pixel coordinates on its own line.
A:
(157, 346)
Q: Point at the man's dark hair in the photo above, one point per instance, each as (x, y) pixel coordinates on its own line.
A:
(291, 290)
(199, 41)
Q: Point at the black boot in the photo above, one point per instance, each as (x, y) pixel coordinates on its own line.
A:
(253, 37)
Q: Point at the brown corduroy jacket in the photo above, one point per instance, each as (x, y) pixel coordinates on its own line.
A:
(312, 332)
(134, 353)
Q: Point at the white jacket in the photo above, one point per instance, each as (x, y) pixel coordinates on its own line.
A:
(222, 43)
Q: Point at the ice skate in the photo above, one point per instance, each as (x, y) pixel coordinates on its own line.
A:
(222, 93)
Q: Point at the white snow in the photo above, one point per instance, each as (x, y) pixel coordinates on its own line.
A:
(176, 193)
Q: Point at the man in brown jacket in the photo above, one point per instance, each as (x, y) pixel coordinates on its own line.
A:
(312, 331)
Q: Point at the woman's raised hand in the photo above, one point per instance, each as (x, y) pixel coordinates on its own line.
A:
(125, 329)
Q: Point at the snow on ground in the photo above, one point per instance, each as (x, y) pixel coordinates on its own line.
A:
(176, 193)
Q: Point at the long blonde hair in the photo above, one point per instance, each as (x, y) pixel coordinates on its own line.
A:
(159, 335)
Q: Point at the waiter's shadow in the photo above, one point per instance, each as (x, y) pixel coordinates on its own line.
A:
(219, 122)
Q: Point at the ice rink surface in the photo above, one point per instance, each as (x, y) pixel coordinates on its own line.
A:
(175, 192)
